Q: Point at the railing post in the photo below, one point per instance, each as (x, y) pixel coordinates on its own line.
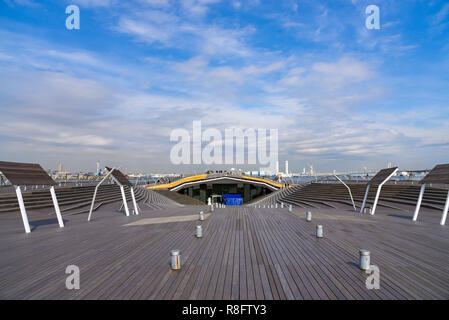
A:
(134, 201)
(446, 208)
(418, 204)
(55, 203)
(378, 191)
(23, 212)
(124, 200)
(365, 198)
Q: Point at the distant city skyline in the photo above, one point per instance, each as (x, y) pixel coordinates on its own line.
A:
(342, 96)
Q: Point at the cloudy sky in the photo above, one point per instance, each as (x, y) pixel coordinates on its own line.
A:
(342, 97)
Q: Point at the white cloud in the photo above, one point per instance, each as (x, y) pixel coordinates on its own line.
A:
(93, 3)
(143, 31)
(197, 7)
(441, 15)
(156, 3)
(236, 4)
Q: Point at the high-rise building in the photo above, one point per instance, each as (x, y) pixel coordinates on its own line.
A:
(59, 167)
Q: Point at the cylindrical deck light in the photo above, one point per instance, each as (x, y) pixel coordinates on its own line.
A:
(319, 231)
(201, 216)
(276, 205)
(364, 259)
(290, 208)
(308, 216)
(282, 205)
(199, 231)
(175, 259)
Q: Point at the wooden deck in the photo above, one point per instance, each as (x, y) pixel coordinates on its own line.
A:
(245, 253)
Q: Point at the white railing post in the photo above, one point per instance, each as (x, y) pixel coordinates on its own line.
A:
(124, 200)
(55, 203)
(364, 198)
(23, 212)
(349, 189)
(418, 204)
(446, 208)
(95, 194)
(134, 201)
(376, 199)
(378, 191)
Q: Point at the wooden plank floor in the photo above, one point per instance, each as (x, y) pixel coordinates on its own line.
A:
(246, 253)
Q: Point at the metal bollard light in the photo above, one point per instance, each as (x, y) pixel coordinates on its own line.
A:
(308, 216)
(175, 259)
(290, 207)
(364, 259)
(199, 232)
(319, 231)
(201, 216)
(282, 205)
(211, 208)
(276, 205)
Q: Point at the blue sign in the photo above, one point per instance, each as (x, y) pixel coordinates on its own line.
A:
(233, 199)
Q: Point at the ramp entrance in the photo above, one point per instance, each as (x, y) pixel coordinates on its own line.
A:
(220, 192)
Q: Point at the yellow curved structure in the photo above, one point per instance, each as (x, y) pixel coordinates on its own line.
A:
(178, 182)
(204, 176)
(277, 185)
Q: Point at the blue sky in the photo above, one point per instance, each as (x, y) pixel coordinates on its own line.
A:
(342, 97)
